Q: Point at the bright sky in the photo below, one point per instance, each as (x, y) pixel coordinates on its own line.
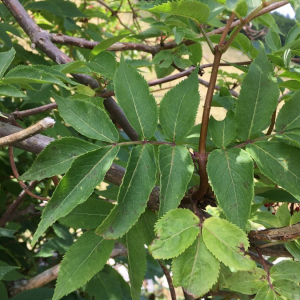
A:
(286, 10)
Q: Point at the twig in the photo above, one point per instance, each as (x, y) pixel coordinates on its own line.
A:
(273, 119)
(16, 174)
(242, 63)
(16, 203)
(263, 262)
(28, 132)
(257, 259)
(169, 279)
(33, 111)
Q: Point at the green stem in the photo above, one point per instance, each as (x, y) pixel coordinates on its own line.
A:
(209, 43)
(265, 137)
(140, 143)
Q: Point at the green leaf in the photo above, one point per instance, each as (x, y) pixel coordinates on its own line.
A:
(276, 159)
(133, 96)
(6, 269)
(269, 21)
(266, 219)
(7, 232)
(283, 215)
(77, 185)
(238, 6)
(288, 117)
(6, 59)
(196, 53)
(293, 34)
(273, 40)
(243, 43)
(178, 108)
(176, 169)
(266, 293)
(292, 138)
(286, 270)
(222, 132)
(189, 9)
(3, 291)
(191, 269)
(231, 176)
(57, 158)
(107, 43)
(88, 119)
(295, 218)
(105, 285)
(227, 243)
(292, 85)
(145, 226)
(137, 263)
(29, 74)
(287, 288)
(256, 105)
(36, 294)
(173, 240)
(293, 248)
(88, 215)
(247, 282)
(103, 64)
(83, 260)
(11, 91)
(134, 192)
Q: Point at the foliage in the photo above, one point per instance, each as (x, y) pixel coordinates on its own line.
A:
(136, 179)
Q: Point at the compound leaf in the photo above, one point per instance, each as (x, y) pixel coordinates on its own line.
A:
(227, 243)
(176, 169)
(78, 265)
(231, 176)
(255, 106)
(178, 108)
(77, 185)
(173, 240)
(133, 96)
(191, 268)
(57, 158)
(279, 162)
(137, 263)
(88, 119)
(134, 192)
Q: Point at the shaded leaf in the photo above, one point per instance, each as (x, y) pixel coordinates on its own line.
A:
(11, 91)
(266, 293)
(176, 169)
(57, 158)
(78, 265)
(134, 192)
(145, 226)
(222, 132)
(76, 186)
(103, 64)
(88, 215)
(287, 288)
(255, 106)
(134, 97)
(286, 270)
(172, 241)
(105, 285)
(178, 108)
(231, 176)
(137, 263)
(88, 119)
(279, 162)
(227, 243)
(247, 282)
(190, 269)
(288, 117)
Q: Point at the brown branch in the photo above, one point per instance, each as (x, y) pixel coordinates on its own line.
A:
(33, 111)
(42, 40)
(169, 279)
(272, 125)
(28, 132)
(7, 216)
(51, 274)
(16, 174)
(241, 63)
